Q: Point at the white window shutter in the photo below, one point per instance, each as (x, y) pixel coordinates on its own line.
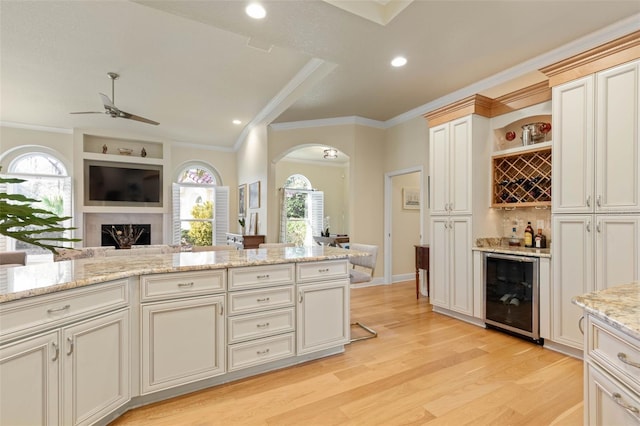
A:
(4, 241)
(176, 213)
(317, 212)
(67, 208)
(221, 215)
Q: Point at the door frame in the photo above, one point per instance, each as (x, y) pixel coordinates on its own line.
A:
(388, 199)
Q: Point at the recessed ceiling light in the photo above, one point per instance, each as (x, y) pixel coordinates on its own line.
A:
(237, 122)
(256, 11)
(399, 61)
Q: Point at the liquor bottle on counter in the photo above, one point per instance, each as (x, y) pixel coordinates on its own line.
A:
(528, 235)
(540, 240)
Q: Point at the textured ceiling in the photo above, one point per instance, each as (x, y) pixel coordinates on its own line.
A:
(194, 66)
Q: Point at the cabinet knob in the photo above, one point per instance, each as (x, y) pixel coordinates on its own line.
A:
(589, 201)
(623, 357)
(57, 349)
(630, 408)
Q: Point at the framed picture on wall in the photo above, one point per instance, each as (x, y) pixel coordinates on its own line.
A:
(254, 195)
(242, 200)
(411, 198)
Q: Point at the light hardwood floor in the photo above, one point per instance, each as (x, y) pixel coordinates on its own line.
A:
(423, 369)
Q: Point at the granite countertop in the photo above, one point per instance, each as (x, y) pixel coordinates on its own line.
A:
(618, 306)
(44, 278)
(498, 245)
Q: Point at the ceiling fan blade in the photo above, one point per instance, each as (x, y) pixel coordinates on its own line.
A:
(123, 114)
(106, 101)
(87, 112)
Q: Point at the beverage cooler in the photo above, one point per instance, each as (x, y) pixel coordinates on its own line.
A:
(512, 294)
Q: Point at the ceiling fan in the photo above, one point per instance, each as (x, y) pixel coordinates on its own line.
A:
(111, 109)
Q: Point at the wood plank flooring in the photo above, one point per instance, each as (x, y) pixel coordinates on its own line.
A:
(423, 369)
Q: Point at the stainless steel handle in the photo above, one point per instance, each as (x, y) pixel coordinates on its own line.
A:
(599, 201)
(54, 310)
(57, 349)
(589, 226)
(70, 340)
(450, 207)
(261, 277)
(189, 284)
(598, 227)
(589, 201)
(300, 298)
(221, 309)
(580, 326)
(266, 324)
(630, 408)
(264, 352)
(623, 357)
(264, 299)
(323, 270)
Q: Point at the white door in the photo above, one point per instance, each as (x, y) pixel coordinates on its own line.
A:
(439, 168)
(460, 139)
(323, 316)
(617, 250)
(573, 274)
(573, 147)
(182, 341)
(29, 378)
(617, 148)
(460, 265)
(439, 261)
(96, 358)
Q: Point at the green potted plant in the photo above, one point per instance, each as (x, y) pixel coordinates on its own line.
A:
(21, 221)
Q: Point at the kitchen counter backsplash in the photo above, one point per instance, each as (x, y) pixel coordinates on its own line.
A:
(501, 245)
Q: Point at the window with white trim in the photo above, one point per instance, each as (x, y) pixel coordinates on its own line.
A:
(302, 210)
(46, 180)
(200, 207)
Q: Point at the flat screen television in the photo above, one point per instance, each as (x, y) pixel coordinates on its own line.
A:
(109, 183)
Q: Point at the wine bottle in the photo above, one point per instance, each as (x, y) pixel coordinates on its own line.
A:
(540, 240)
(528, 235)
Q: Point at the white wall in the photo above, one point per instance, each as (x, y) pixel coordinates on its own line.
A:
(405, 227)
(252, 167)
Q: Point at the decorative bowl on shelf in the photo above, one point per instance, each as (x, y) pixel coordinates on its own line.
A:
(125, 151)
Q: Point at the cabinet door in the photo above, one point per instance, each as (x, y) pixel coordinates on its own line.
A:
(617, 250)
(460, 265)
(573, 147)
(439, 261)
(573, 274)
(617, 148)
(460, 139)
(29, 374)
(96, 360)
(182, 342)
(439, 167)
(323, 316)
(609, 402)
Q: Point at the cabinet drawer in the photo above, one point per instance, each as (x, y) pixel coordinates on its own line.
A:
(614, 351)
(256, 352)
(41, 312)
(253, 326)
(320, 271)
(260, 276)
(160, 286)
(258, 300)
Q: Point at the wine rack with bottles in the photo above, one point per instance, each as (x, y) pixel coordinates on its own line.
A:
(522, 179)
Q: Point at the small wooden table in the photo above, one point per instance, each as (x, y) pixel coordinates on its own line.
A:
(422, 262)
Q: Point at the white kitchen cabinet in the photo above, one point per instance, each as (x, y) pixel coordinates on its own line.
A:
(596, 154)
(612, 375)
(183, 341)
(450, 166)
(92, 358)
(451, 264)
(590, 252)
(29, 373)
(323, 307)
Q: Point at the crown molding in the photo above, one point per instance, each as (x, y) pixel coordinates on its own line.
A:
(532, 95)
(325, 122)
(35, 127)
(474, 104)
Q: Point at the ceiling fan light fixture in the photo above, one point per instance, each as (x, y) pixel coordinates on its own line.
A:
(255, 11)
(330, 153)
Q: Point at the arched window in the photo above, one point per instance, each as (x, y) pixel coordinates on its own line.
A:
(302, 211)
(200, 206)
(46, 180)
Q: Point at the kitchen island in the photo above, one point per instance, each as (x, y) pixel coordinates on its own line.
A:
(83, 341)
(612, 355)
